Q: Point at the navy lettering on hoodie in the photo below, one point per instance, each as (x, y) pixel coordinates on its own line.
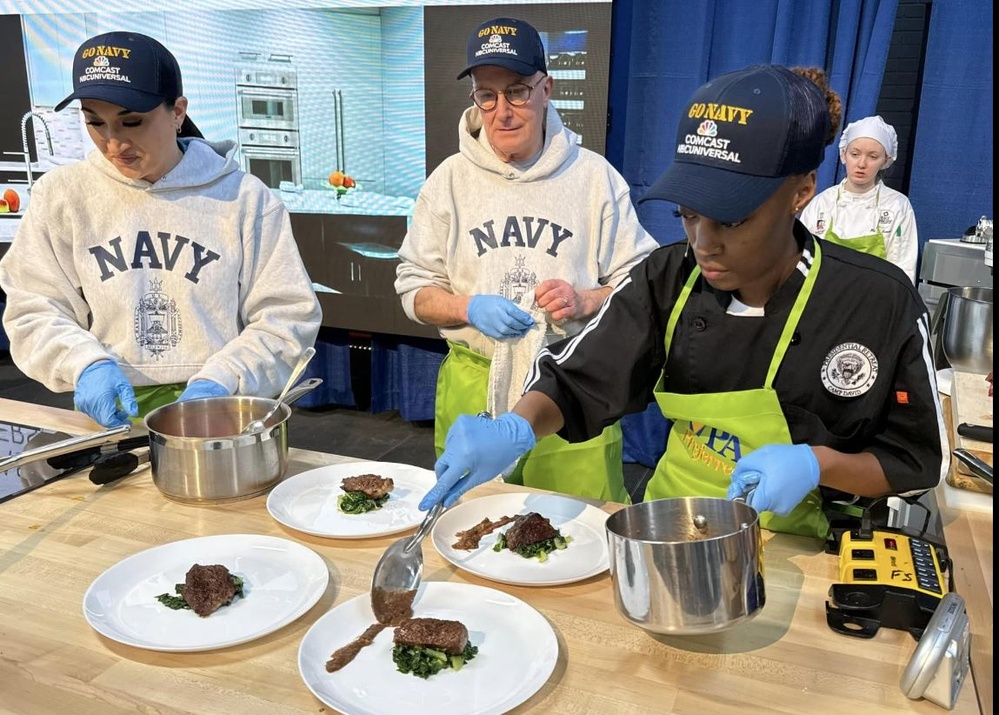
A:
(514, 232)
(146, 254)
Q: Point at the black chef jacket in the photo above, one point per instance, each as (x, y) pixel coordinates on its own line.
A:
(860, 304)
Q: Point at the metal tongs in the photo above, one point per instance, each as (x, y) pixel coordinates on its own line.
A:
(63, 447)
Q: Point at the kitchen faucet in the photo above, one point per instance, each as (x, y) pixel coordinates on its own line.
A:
(25, 153)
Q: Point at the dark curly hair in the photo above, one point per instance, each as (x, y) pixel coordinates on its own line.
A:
(835, 105)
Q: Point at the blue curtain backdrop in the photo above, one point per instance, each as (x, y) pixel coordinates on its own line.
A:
(404, 375)
(950, 185)
(332, 364)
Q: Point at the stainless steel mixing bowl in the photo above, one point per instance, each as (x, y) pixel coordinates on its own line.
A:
(967, 329)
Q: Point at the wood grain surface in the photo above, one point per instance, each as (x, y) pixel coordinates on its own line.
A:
(57, 539)
(971, 404)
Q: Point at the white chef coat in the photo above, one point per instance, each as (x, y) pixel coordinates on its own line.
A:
(881, 208)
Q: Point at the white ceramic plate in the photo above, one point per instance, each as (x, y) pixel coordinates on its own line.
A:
(517, 654)
(307, 501)
(584, 557)
(282, 580)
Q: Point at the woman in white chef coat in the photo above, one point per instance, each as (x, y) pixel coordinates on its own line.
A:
(861, 212)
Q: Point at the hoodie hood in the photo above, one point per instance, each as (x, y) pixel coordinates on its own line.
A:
(561, 147)
(203, 163)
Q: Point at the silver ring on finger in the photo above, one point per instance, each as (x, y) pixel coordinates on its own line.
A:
(565, 302)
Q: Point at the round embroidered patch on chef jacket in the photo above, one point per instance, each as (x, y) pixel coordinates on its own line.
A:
(849, 370)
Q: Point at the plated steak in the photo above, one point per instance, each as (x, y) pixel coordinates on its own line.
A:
(371, 485)
(207, 588)
(529, 529)
(448, 636)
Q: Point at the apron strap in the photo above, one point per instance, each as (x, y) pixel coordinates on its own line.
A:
(681, 301)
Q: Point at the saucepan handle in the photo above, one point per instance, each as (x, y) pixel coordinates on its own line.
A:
(302, 389)
(982, 433)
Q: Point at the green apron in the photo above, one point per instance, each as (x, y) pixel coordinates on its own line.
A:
(712, 431)
(592, 469)
(873, 244)
(152, 396)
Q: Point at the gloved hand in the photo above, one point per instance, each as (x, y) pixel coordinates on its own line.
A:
(202, 388)
(782, 474)
(498, 317)
(101, 387)
(476, 450)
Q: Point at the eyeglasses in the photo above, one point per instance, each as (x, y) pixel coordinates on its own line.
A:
(516, 94)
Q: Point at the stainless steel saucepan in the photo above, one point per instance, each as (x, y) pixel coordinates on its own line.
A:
(687, 565)
(199, 456)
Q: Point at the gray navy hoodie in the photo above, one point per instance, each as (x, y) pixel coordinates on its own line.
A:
(481, 225)
(195, 276)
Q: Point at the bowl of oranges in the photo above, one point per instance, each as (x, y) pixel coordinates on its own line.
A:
(341, 183)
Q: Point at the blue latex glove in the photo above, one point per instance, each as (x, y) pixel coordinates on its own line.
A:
(498, 317)
(100, 389)
(782, 474)
(202, 388)
(476, 450)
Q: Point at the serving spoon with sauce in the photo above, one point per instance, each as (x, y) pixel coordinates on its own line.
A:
(399, 572)
(394, 585)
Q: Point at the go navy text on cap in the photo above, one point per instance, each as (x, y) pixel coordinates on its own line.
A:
(740, 136)
(127, 69)
(508, 43)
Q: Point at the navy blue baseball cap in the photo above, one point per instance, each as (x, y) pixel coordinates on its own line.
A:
(740, 136)
(125, 68)
(508, 43)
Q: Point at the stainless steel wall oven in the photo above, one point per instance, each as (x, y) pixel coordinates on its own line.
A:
(267, 109)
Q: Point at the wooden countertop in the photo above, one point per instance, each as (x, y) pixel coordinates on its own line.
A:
(57, 539)
(968, 534)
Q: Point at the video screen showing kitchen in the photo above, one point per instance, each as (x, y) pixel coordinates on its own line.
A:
(339, 111)
(331, 135)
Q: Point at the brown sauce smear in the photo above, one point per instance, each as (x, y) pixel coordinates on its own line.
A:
(395, 606)
(344, 655)
(469, 539)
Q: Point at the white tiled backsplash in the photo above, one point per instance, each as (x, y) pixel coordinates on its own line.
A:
(67, 130)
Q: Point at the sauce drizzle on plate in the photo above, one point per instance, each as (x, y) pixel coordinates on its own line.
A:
(396, 605)
(468, 539)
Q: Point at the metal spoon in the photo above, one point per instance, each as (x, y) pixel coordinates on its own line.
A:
(258, 425)
(400, 568)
